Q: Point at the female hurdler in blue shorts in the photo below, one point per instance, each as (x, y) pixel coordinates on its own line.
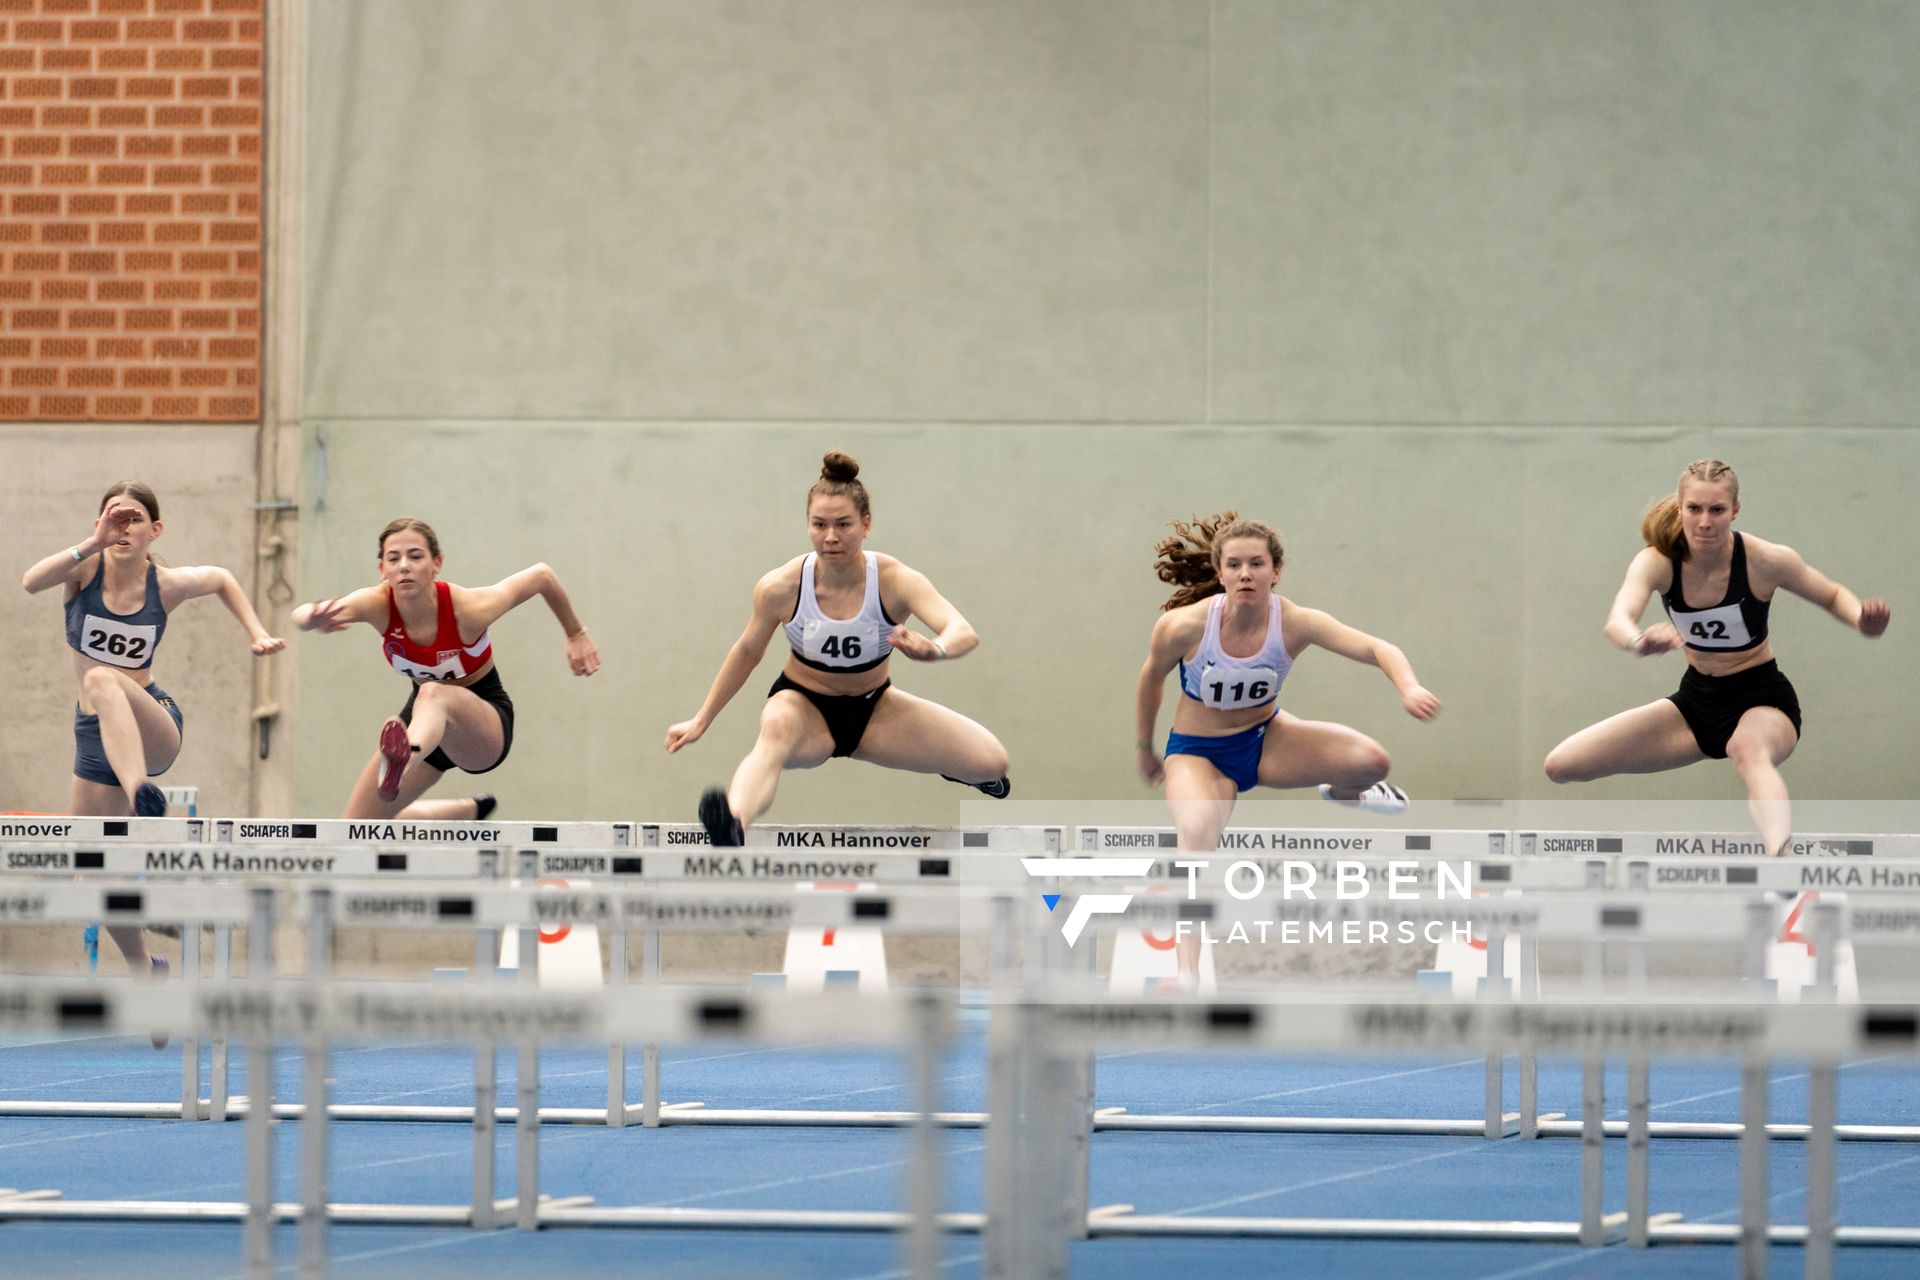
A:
(1234, 641)
(1733, 702)
(126, 729)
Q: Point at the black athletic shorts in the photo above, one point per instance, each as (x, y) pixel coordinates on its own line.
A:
(846, 714)
(491, 692)
(1712, 705)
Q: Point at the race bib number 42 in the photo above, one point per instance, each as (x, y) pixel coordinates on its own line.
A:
(1722, 628)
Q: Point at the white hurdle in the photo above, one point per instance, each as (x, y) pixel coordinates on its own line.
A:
(1034, 1064)
(331, 850)
(316, 1013)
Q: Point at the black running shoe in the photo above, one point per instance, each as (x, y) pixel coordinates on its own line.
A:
(999, 788)
(149, 801)
(723, 829)
(483, 805)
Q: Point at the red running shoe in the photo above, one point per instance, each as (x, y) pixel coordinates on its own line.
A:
(395, 754)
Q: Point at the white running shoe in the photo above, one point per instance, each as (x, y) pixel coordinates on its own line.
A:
(1381, 797)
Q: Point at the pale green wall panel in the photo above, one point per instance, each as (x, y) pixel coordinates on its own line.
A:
(813, 210)
(1563, 212)
(597, 282)
(1489, 555)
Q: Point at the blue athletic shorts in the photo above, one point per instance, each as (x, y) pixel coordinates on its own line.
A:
(1237, 755)
(90, 759)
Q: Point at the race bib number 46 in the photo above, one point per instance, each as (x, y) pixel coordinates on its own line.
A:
(841, 644)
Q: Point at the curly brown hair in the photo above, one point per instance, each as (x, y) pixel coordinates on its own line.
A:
(1190, 559)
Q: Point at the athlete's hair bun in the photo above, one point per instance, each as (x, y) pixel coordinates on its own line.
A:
(838, 467)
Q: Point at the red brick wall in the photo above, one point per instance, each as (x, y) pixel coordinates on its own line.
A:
(130, 227)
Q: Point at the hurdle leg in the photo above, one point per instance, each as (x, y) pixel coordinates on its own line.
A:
(1024, 1237)
(1593, 1150)
(650, 1053)
(617, 1054)
(1639, 1087)
(190, 1044)
(923, 1186)
(1753, 1169)
(1042, 1211)
(315, 1135)
(1061, 1215)
(1759, 935)
(1823, 1107)
(526, 1215)
(1494, 987)
(1079, 1117)
(258, 1229)
(1002, 1192)
(217, 1086)
(1638, 1169)
(1008, 1061)
(486, 946)
(1529, 1059)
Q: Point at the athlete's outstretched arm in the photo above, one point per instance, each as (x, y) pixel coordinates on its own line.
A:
(368, 605)
(211, 580)
(772, 601)
(1783, 564)
(1323, 629)
(481, 607)
(952, 636)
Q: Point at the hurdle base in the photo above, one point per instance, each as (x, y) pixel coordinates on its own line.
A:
(644, 1217)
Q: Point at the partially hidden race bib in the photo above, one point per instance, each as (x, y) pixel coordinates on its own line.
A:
(832, 643)
(1230, 688)
(448, 668)
(117, 643)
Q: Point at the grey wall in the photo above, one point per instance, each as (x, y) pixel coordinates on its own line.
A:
(1447, 292)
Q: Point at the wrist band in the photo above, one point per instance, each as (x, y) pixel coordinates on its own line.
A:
(1143, 745)
(942, 648)
(75, 553)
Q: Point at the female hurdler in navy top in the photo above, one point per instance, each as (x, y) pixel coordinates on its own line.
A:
(125, 727)
(1234, 641)
(458, 714)
(843, 609)
(1733, 702)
